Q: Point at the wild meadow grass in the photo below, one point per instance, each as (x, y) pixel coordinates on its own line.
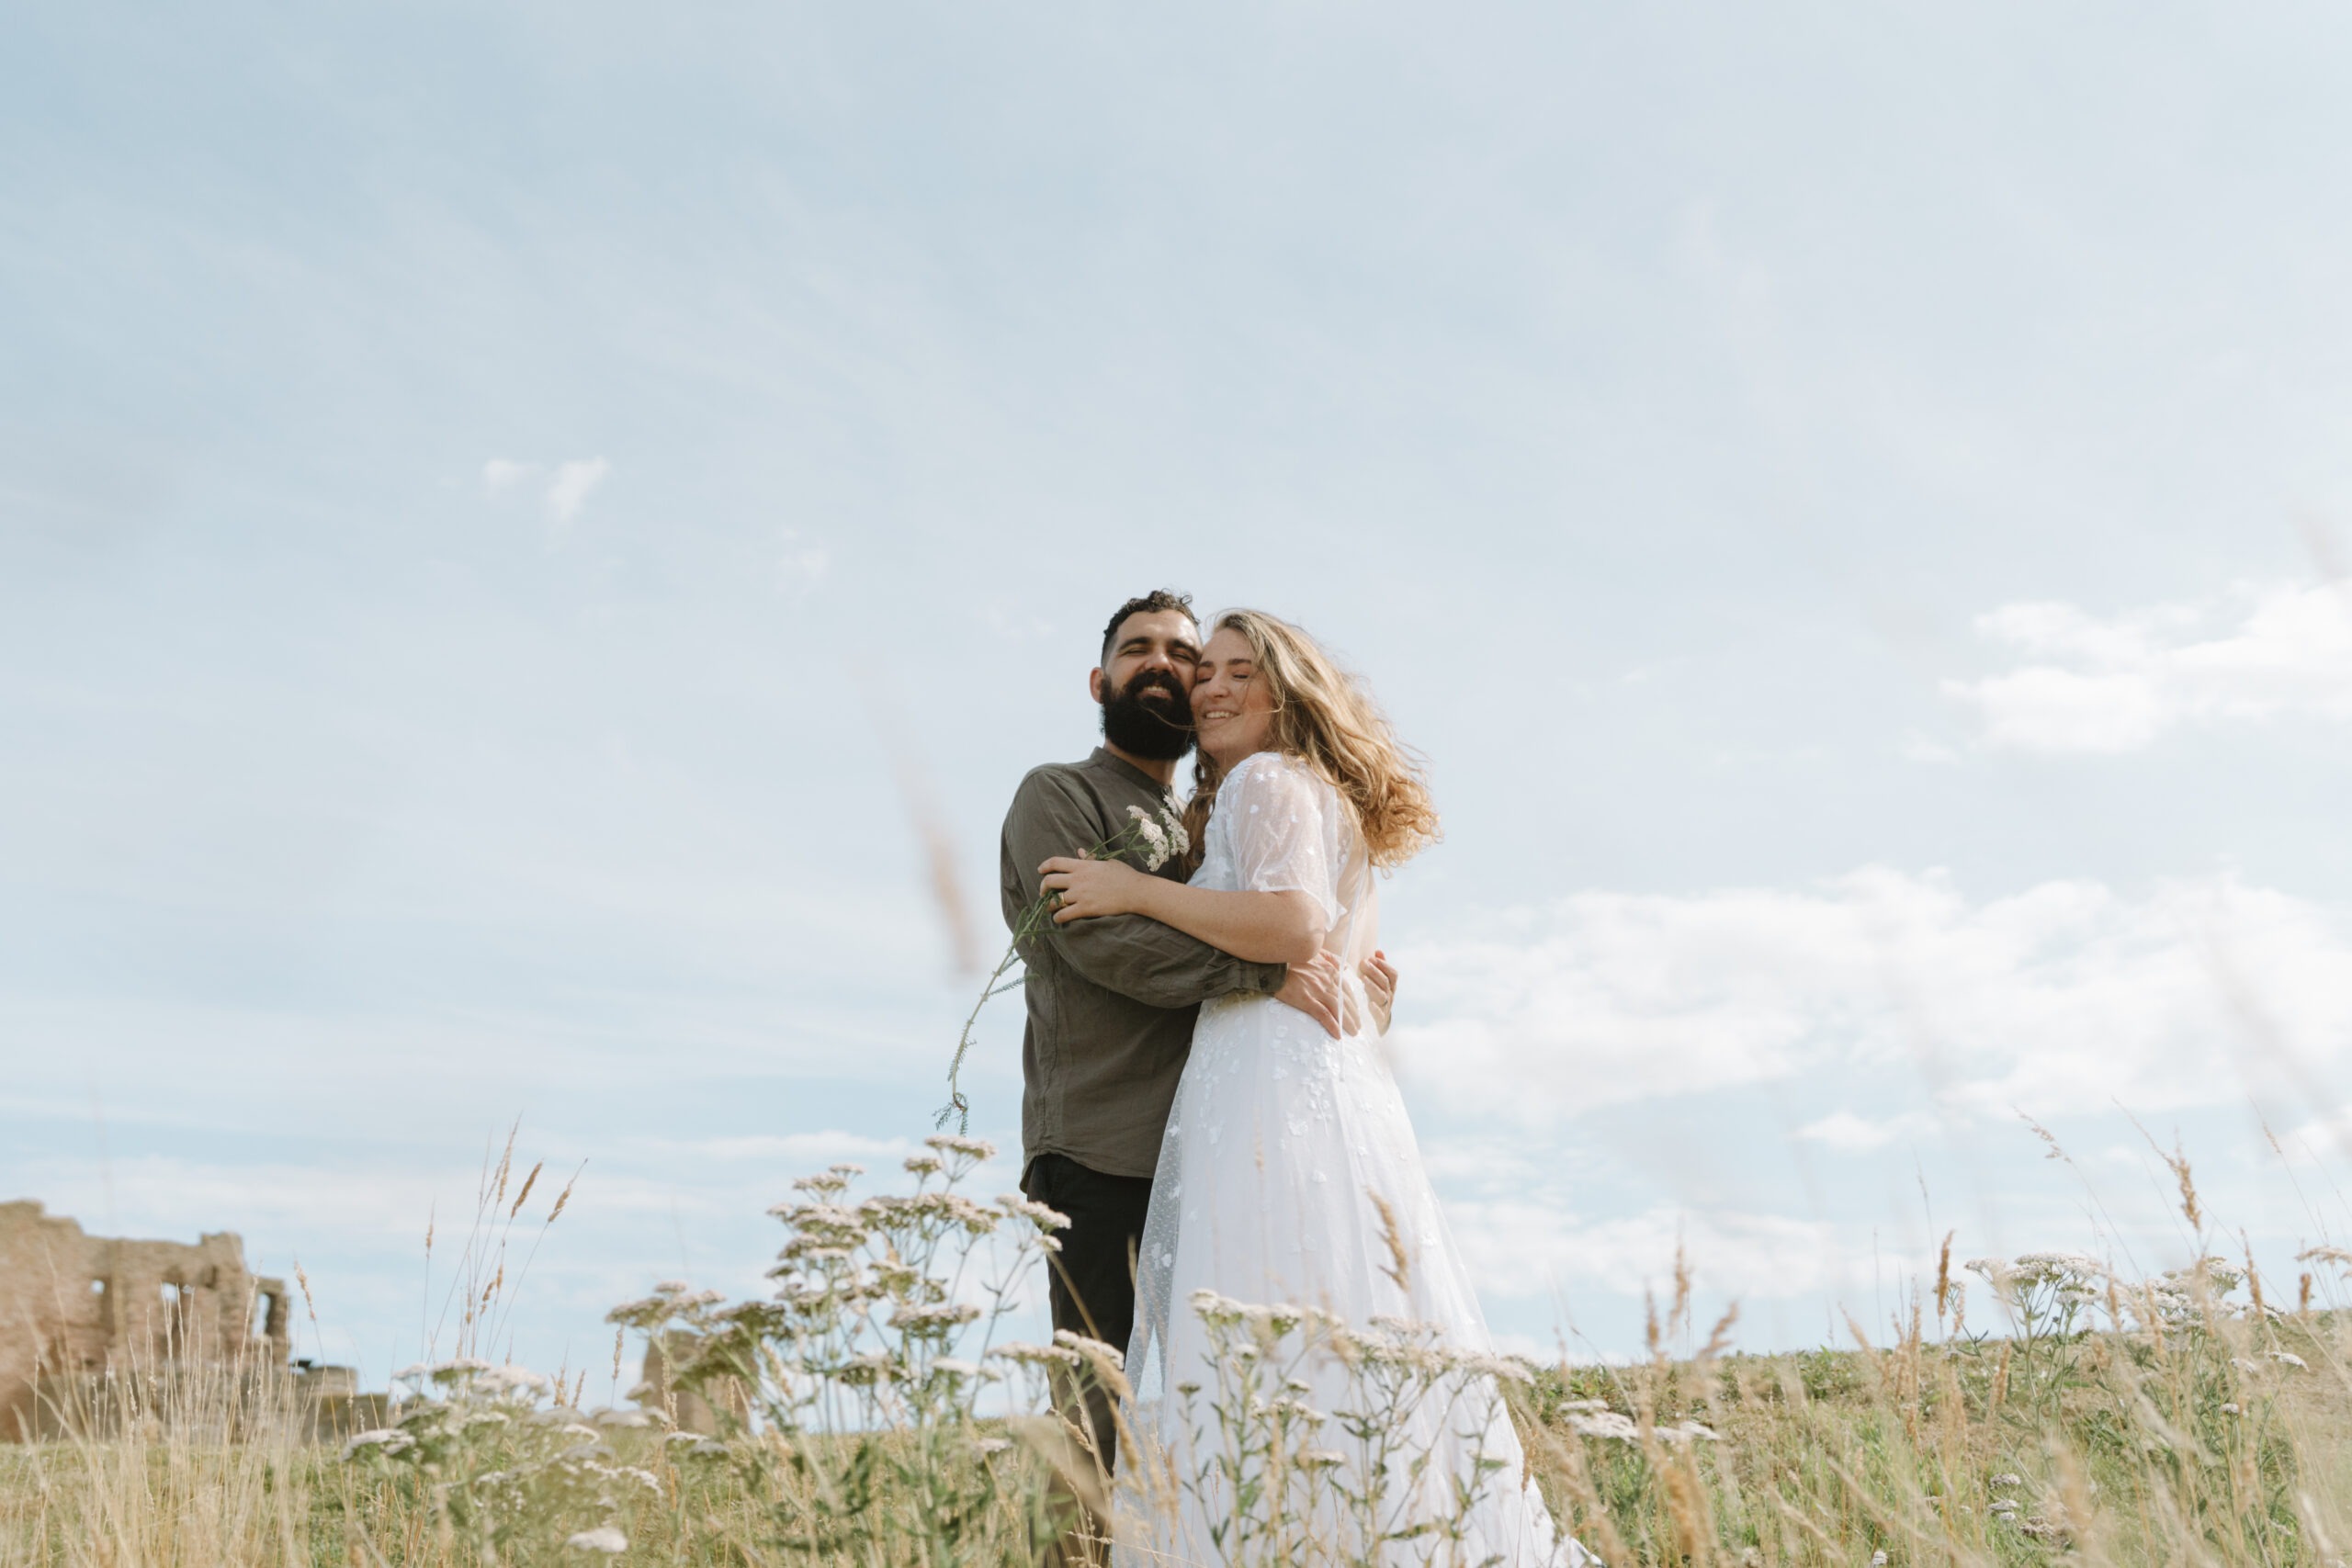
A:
(2025, 1411)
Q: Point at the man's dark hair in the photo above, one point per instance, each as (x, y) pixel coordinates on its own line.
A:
(1157, 599)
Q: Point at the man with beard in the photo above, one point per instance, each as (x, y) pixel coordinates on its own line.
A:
(1111, 1000)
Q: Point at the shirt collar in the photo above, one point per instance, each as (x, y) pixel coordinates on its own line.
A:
(1118, 764)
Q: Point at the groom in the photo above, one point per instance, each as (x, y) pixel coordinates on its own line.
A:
(1111, 1000)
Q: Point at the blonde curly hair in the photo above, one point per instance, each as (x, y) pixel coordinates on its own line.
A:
(1324, 717)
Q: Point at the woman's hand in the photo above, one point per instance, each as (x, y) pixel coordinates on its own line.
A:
(1087, 888)
(1379, 988)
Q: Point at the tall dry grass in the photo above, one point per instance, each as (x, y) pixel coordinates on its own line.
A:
(2059, 1414)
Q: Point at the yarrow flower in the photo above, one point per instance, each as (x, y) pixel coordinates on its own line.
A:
(604, 1538)
(957, 1144)
(1029, 1209)
(932, 1319)
(1163, 836)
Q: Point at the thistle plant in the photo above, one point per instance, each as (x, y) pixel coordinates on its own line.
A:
(1155, 839)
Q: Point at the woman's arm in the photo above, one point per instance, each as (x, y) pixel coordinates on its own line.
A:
(1266, 928)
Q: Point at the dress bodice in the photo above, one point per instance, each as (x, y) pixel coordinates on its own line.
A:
(1278, 827)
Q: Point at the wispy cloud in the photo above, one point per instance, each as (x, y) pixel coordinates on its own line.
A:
(572, 486)
(503, 474)
(800, 564)
(2116, 685)
(1519, 1249)
(2066, 997)
(566, 493)
(1845, 1131)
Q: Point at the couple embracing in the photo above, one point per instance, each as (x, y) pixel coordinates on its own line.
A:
(1204, 1094)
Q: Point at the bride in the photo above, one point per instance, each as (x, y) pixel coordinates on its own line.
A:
(1289, 1173)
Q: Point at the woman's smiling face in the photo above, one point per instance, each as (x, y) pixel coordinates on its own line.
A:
(1233, 705)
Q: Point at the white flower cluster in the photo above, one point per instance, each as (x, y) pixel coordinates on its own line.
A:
(604, 1538)
(1619, 1427)
(1163, 837)
(1034, 1355)
(390, 1440)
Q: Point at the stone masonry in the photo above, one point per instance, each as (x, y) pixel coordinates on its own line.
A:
(71, 1303)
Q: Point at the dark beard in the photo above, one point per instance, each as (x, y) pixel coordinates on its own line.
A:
(1160, 730)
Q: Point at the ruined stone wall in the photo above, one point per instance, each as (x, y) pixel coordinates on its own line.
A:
(71, 1303)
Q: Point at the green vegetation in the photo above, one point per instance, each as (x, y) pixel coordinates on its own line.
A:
(867, 1416)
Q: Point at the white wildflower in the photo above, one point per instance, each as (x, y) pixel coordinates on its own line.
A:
(926, 1164)
(2007, 1481)
(938, 1319)
(1214, 1309)
(957, 1144)
(1093, 1350)
(1321, 1458)
(604, 1538)
(2288, 1357)
(390, 1439)
(1036, 1213)
(511, 1379)
(449, 1371)
(1605, 1424)
(1502, 1368)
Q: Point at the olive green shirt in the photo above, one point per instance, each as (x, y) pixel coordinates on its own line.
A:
(1111, 999)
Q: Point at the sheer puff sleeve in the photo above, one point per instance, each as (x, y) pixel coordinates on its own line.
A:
(1286, 830)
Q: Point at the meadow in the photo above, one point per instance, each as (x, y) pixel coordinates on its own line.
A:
(2024, 1411)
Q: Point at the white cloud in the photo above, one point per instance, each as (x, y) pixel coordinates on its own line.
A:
(1927, 748)
(1843, 1130)
(1519, 1249)
(2113, 685)
(568, 491)
(501, 474)
(800, 565)
(2070, 996)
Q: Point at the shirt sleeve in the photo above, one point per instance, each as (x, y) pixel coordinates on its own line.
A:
(1131, 954)
(1286, 832)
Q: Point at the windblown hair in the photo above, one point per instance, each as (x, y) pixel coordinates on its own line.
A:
(1324, 717)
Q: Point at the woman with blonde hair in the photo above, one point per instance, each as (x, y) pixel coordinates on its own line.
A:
(1289, 1172)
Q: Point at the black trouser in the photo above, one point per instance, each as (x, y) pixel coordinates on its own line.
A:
(1093, 1286)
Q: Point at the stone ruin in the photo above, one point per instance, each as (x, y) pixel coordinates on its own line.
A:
(89, 1325)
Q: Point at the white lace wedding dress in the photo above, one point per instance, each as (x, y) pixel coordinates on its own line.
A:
(1283, 1147)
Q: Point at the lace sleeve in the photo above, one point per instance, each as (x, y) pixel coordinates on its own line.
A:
(1286, 832)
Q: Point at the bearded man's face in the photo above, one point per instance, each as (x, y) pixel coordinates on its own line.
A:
(1147, 683)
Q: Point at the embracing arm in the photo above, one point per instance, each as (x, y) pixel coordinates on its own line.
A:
(1272, 927)
(1136, 957)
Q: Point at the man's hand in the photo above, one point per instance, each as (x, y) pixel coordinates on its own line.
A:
(1313, 988)
(1379, 986)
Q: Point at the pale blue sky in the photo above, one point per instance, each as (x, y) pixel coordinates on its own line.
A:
(470, 477)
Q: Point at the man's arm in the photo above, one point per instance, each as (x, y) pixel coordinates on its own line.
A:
(1128, 954)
